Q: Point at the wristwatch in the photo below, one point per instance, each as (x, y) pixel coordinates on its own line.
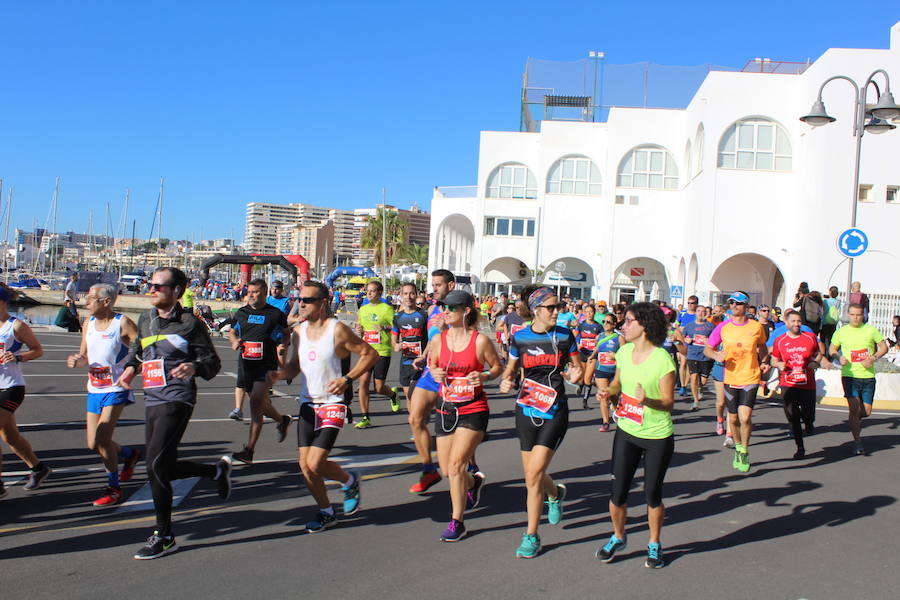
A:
(18, 358)
(348, 379)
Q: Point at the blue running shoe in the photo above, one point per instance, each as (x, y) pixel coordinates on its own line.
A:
(554, 506)
(351, 495)
(455, 531)
(654, 556)
(322, 522)
(606, 553)
(530, 546)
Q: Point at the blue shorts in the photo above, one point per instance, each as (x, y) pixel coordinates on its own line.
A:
(718, 372)
(96, 402)
(859, 387)
(427, 382)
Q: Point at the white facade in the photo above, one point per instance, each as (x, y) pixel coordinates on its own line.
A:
(671, 215)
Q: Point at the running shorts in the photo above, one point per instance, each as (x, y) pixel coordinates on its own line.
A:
(604, 375)
(96, 402)
(380, 370)
(448, 423)
(859, 387)
(701, 367)
(11, 398)
(534, 431)
(408, 374)
(306, 430)
(426, 382)
(740, 395)
(248, 375)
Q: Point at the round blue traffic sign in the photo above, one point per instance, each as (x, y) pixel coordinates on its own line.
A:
(852, 243)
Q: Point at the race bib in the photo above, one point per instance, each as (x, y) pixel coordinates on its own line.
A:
(536, 395)
(100, 377)
(372, 337)
(796, 375)
(458, 389)
(607, 359)
(699, 340)
(588, 343)
(859, 355)
(154, 373)
(411, 348)
(630, 408)
(252, 351)
(330, 416)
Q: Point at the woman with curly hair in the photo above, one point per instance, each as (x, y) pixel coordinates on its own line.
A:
(645, 383)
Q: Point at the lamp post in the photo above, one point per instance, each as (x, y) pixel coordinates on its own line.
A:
(885, 108)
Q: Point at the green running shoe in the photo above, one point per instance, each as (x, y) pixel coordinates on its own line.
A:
(395, 399)
(744, 465)
(736, 460)
(364, 423)
(530, 546)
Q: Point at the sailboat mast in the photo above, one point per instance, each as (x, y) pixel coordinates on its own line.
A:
(159, 223)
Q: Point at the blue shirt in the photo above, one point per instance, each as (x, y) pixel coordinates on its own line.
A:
(282, 304)
(565, 319)
(692, 329)
(780, 330)
(685, 318)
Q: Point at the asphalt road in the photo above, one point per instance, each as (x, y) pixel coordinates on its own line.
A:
(822, 527)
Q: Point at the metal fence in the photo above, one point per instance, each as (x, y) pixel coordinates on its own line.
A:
(882, 308)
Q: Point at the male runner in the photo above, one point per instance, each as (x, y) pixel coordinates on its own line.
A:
(277, 298)
(696, 332)
(104, 348)
(744, 353)
(322, 342)
(373, 323)
(684, 317)
(172, 347)
(409, 336)
(860, 345)
(258, 336)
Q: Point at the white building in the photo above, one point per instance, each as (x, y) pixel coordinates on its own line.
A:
(731, 192)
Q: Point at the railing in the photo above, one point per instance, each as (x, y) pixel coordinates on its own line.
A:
(882, 308)
(457, 191)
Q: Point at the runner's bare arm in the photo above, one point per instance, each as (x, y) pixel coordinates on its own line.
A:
(487, 354)
(434, 355)
(346, 342)
(24, 333)
(291, 367)
(395, 342)
(506, 383)
(762, 351)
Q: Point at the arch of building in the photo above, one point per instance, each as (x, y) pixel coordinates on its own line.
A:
(690, 285)
(504, 274)
(753, 273)
(570, 276)
(454, 242)
(639, 279)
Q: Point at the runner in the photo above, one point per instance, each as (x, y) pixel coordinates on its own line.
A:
(104, 348)
(13, 334)
(686, 316)
(374, 322)
(602, 366)
(426, 390)
(696, 333)
(566, 318)
(645, 378)
(321, 342)
(277, 298)
(744, 353)
(797, 354)
(258, 336)
(408, 337)
(586, 335)
(545, 353)
(675, 345)
(172, 347)
(457, 359)
(860, 345)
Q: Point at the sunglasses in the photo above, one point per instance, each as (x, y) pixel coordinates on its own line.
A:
(452, 307)
(691, 302)
(735, 302)
(155, 287)
(552, 307)
(609, 322)
(309, 299)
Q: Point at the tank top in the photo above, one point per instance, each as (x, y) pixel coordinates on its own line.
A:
(456, 390)
(319, 364)
(10, 373)
(106, 356)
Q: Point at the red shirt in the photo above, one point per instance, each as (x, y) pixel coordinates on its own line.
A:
(456, 390)
(796, 354)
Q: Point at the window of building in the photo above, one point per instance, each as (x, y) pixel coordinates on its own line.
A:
(865, 193)
(891, 197)
(574, 175)
(755, 144)
(509, 226)
(511, 180)
(648, 167)
(620, 199)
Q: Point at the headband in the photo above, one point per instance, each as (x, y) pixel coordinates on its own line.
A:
(538, 296)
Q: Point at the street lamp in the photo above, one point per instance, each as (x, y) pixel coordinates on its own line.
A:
(884, 109)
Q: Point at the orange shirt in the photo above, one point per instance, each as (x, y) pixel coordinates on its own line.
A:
(740, 344)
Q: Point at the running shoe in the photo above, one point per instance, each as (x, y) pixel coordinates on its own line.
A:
(729, 441)
(281, 429)
(223, 478)
(455, 531)
(744, 465)
(695, 407)
(606, 553)
(720, 428)
(530, 546)
(351, 495)
(112, 496)
(736, 460)
(157, 546)
(36, 478)
(236, 414)
(473, 467)
(3, 490)
(473, 494)
(128, 466)
(244, 456)
(604, 427)
(584, 403)
(554, 505)
(322, 522)
(364, 423)
(790, 434)
(654, 556)
(800, 453)
(425, 481)
(395, 400)
(860, 449)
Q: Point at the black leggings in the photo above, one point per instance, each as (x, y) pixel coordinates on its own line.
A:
(626, 455)
(165, 426)
(801, 405)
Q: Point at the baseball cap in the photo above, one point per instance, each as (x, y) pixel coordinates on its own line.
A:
(601, 303)
(739, 297)
(458, 298)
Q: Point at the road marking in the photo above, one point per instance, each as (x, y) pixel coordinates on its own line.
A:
(84, 394)
(142, 499)
(131, 422)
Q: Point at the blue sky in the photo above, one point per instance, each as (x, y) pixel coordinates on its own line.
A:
(320, 102)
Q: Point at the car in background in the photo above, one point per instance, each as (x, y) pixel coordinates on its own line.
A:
(132, 281)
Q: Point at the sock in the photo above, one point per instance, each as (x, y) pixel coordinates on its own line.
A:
(37, 467)
(720, 420)
(429, 468)
(328, 511)
(125, 452)
(112, 478)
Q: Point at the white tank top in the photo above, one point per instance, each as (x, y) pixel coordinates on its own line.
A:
(10, 373)
(319, 364)
(106, 356)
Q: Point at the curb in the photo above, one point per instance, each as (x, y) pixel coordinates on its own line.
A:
(878, 405)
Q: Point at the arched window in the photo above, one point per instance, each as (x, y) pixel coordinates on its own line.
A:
(756, 144)
(698, 147)
(574, 175)
(648, 167)
(511, 180)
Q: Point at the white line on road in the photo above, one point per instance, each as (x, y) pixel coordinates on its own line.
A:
(143, 498)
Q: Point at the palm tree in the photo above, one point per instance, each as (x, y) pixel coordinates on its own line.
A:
(416, 254)
(395, 227)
